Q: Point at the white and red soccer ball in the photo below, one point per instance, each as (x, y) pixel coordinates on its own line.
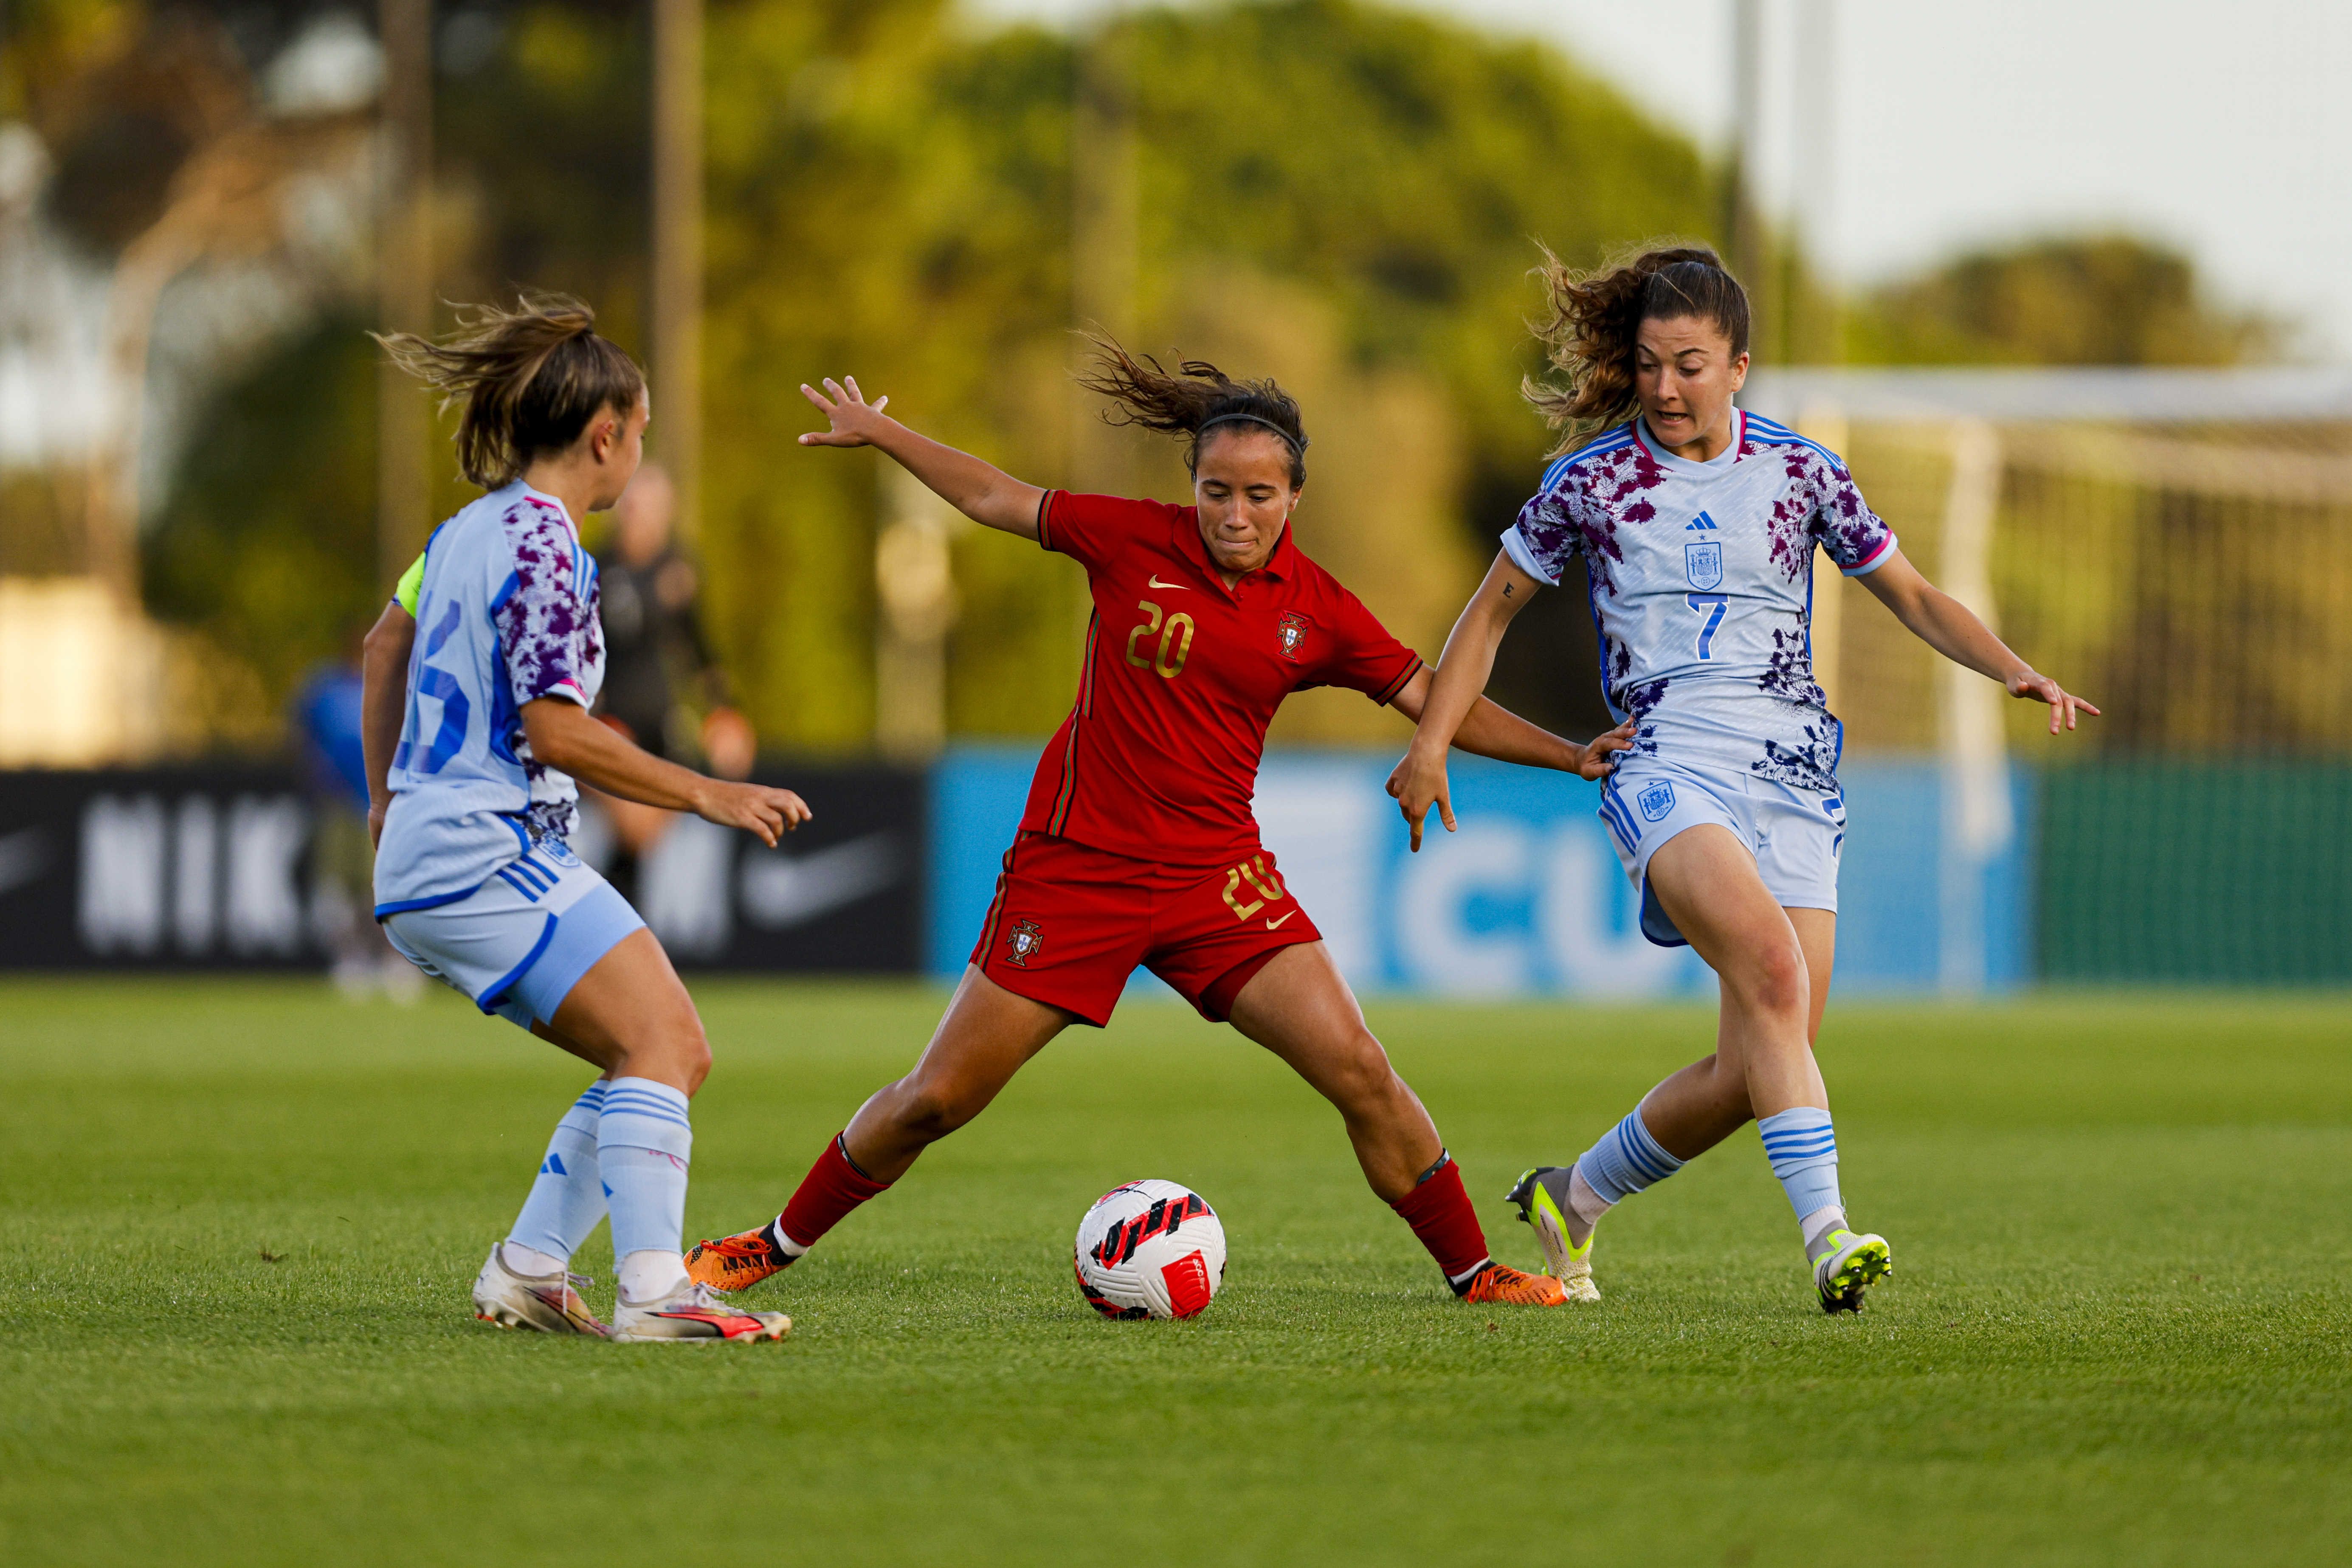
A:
(1151, 1250)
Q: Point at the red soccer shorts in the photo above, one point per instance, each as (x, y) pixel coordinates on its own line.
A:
(1071, 923)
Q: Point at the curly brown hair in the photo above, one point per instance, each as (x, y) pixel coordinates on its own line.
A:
(530, 378)
(1191, 399)
(1596, 317)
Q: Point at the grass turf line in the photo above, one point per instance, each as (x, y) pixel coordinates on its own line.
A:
(2116, 1334)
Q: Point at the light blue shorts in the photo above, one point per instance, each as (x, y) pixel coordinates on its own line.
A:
(1795, 834)
(520, 941)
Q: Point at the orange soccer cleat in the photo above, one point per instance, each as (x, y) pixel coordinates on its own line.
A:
(735, 1262)
(1498, 1285)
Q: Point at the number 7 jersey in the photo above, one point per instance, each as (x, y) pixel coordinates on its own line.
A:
(1701, 582)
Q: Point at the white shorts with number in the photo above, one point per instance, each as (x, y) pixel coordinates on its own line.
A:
(1795, 834)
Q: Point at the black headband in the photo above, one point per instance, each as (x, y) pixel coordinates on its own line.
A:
(1298, 447)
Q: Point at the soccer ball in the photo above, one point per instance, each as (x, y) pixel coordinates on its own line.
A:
(1150, 1250)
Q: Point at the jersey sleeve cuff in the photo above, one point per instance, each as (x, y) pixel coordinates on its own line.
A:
(1875, 560)
(1046, 519)
(1515, 545)
(567, 688)
(1387, 694)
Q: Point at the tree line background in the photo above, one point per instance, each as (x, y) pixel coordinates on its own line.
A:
(1344, 195)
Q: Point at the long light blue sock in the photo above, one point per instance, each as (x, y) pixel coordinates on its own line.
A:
(1626, 1159)
(567, 1196)
(643, 1144)
(1802, 1143)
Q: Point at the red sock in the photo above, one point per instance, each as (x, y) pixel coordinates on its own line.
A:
(1440, 1214)
(832, 1188)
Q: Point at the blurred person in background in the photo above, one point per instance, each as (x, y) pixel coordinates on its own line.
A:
(1698, 523)
(481, 677)
(654, 651)
(329, 731)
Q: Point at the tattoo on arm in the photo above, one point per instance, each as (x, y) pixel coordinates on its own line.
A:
(1506, 589)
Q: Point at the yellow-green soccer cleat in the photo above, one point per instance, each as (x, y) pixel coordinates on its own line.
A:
(1848, 1266)
(1539, 1208)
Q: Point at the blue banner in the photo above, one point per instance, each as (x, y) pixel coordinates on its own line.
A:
(1527, 899)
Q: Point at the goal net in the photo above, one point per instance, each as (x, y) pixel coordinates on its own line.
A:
(2175, 546)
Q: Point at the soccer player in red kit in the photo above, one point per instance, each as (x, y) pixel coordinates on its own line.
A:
(1137, 846)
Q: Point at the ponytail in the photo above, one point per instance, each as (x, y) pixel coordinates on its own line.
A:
(530, 380)
(1195, 398)
(1596, 318)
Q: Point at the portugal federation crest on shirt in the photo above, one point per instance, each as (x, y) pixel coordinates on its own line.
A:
(1023, 942)
(1290, 633)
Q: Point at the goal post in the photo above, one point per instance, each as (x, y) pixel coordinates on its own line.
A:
(2174, 543)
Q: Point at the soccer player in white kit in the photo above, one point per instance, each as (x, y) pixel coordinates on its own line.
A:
(1698, 523)
(472, 757)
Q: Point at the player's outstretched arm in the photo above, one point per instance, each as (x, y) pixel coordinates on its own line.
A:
(1952, 629)
(384, 699)
(563, 736)
(982, 492)
(1419, 780)
(1491, 730)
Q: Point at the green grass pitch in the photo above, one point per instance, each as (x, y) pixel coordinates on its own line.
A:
(237, 1222)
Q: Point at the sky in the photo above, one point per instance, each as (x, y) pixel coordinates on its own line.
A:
(1896, 133)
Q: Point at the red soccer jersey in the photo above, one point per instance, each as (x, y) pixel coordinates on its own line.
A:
(1158, 757)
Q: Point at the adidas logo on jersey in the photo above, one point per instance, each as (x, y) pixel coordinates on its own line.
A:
(1702, 524)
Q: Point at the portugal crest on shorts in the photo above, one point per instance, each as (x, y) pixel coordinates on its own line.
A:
(1291, 633)
(1023, 942)
(1702, 564)
(1656, 800)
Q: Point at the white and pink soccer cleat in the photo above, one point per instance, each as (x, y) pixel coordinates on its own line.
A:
(548, 1305)
(692, 1314)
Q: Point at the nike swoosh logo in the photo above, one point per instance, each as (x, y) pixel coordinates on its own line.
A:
(1277, 925)
(780, 892)
(1154, 582)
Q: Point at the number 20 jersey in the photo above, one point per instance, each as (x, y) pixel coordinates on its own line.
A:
(1157, 760)
(1702, 584)
(506, 613)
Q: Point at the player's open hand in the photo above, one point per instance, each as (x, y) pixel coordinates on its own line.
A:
(757, 809)
(851, 420)
(2064, 704)
(1597, 762)
(1417, 784)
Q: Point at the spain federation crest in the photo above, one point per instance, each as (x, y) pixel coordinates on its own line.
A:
(1656, 800)
(1702, 564)
(1023, 942)
(1291, 632)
